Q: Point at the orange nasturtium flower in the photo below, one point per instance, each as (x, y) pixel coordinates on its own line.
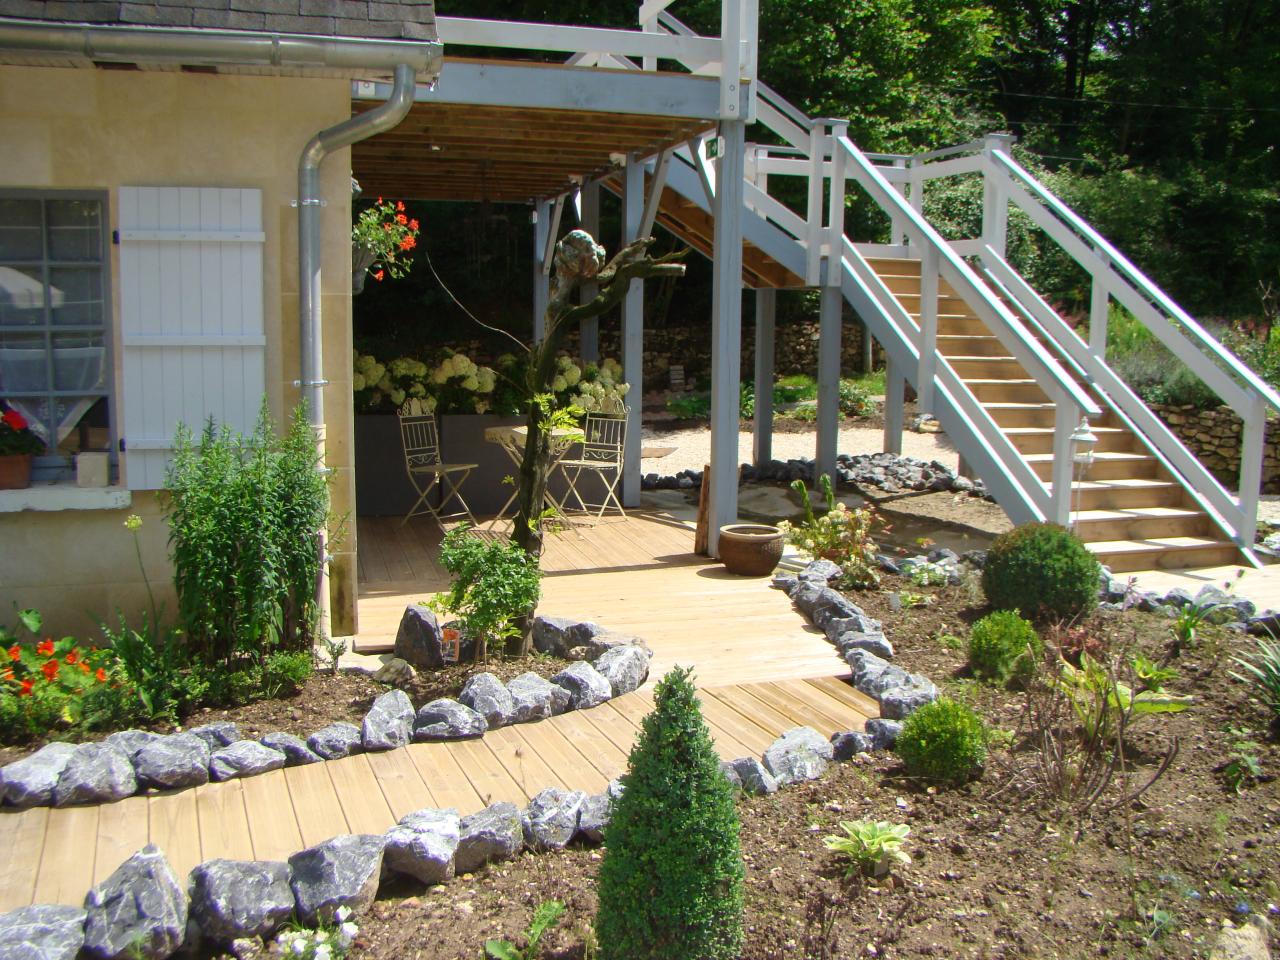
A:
(72, 657)
(7, 675)
(26, 688)
(101, 675)
(50, 669)
(45, 647)
(15, 653)
(401, 219)
(84, 667)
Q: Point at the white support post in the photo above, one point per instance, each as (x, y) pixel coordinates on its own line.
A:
(1066, 417)
(835, 205)
(813, 210)
(828, 380)
(995, 197)
(898, 222)
(1255, 428)
(1099, 308)
(541, 280)
(632, 332)
(657, 183)
(762, 424)
(726, 331)
(895, 387)
(589, 329)
(928, 328)
(915, 177)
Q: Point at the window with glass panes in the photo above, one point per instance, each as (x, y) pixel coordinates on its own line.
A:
(55, 364)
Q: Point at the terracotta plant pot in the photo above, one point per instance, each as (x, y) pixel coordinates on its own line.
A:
(15, 471)
(750, 549)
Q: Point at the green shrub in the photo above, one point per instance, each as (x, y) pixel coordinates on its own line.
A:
(1003, 646)
(1042, 570)
(284, 672)
(670, 885)
(159, 670)
(244, 514)
(495, 585)
(943, 741)
(854, 399)
(689, 406)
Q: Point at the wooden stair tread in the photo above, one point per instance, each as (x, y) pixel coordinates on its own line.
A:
(1156, 545)
(1134, 513)
(1113, 455)
(1126, 483)
(1042, 431)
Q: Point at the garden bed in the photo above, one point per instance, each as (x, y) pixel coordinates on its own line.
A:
(996, 871)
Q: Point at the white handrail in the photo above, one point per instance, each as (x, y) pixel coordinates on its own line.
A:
(1144, 286)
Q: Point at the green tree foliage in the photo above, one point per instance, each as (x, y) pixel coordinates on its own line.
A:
(671, 882)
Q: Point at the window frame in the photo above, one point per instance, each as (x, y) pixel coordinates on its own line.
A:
(56, 466)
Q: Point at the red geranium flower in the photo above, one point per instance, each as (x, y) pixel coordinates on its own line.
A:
(72, 657)
(408, 243)
(15, 653)
(26, 688)
(399, 208)
(50, 669)
(379, 275)
(401, 219)
(45, 647)
(413, 225)
(101, 675)
(14, 419)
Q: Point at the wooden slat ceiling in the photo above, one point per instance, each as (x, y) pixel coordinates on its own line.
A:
(461, 152)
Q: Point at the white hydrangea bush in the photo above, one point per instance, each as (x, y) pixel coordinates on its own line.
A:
(456, 382)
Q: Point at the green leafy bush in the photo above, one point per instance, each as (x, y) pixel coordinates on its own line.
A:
(244, 513)
(872, 846)
(1262, 670)
(284, 672)
(670, 885)
(944, 742)
(690, 406)
(1042, 570)
(159, 669)
(1003, 646)
(854, 399)
(495, 585)
(840, 534)
(1104, 704)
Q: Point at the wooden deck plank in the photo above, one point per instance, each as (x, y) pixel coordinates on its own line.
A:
(224, 822)
(175, 829)
(801, 713)
(616, 728)
(66, 864)
(592, 743)
(20, 854)
(840, 712)
(363, 804)
(316, 803)
(734, 736)
(446, 780)
(843, 691)
(523, 764)
(571, 768)
(273, 824)
(123, 830)
(489, 778)
(400, 782)
(758, 710)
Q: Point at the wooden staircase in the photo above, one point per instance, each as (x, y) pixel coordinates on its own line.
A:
(1128, 509)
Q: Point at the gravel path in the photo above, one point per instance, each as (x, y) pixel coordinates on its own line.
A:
(693, 447)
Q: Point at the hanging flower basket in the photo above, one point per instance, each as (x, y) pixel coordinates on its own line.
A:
(382, 240)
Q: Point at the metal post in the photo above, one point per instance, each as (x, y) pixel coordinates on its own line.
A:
(828, 381)
(632, 333)
(541, 281)
(895, 386)
(589, 330)
(762, 424)
(726, 330)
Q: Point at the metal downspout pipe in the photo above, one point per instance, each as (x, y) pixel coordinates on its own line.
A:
(365, 125)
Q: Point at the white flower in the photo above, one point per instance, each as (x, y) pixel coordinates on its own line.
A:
(573, 374)
(323, 952)
(357, 382)
(622, 389)
(347, 933)
(558, 385)
(471, 383)
(298, 947)
(385, 384)
(342, 914)
(397, 397)
(439, 374)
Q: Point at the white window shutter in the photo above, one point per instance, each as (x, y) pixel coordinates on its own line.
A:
(191, 318)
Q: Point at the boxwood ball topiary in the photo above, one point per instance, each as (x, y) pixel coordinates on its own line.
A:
(943, 741)
(1043, 571)
(670, 885)
(1003, 647)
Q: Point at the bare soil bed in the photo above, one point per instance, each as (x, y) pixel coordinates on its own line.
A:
(999, 869)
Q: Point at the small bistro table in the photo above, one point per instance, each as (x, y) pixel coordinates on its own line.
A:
(512, 440)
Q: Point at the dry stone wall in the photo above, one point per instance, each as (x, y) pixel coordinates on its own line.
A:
(1215, 437)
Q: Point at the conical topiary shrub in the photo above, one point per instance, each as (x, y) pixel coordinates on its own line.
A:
(671, 881)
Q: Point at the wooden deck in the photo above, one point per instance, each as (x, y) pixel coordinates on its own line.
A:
(54, 856)
(638, 576)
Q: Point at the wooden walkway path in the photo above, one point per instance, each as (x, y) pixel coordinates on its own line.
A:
(54, 856)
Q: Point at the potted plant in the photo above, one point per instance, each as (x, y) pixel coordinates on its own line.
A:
(17, 445)
(750, 549)
(382, 240)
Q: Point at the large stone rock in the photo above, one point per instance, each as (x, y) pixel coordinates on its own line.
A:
(217, 735)
(395, 672)
(42, 933)
(799, 754)
(422, 845)
(129, 742)
(898, 703)
(753, 776)
(138, 911)
(419, 640)
(625, 667)
(389, 722)
(598, 644)
(549, 635)
(231, 899)
(244, 758)
(594, 816)
(494, 833)
(876, 643)
(826, 604)
(295, 749)
(29, 782)
(848, 745)
(486, 695)
(1245, 942)
(821, 572)
(858, 623)
(342, 872)
(95, 773)
(336, 741)
(166, 763)
(585, 685)
(535, 698)
(447, 719)
(866, 667)
(551, 819)
(883, 733)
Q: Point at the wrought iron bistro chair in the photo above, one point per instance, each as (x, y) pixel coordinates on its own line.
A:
(604, 436)
(420, 437)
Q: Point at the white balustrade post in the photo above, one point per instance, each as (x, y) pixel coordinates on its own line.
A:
(928, 328)
(897, 222)
(762, 423)
(737, 44)
(1066, 416)
(1253, 440)
(828, 379)
(813, 209)
(995, 198)
(726, 331)
(1099, 313)
(632, 332)
(915, 178)
(589, 329)
(895, 388)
